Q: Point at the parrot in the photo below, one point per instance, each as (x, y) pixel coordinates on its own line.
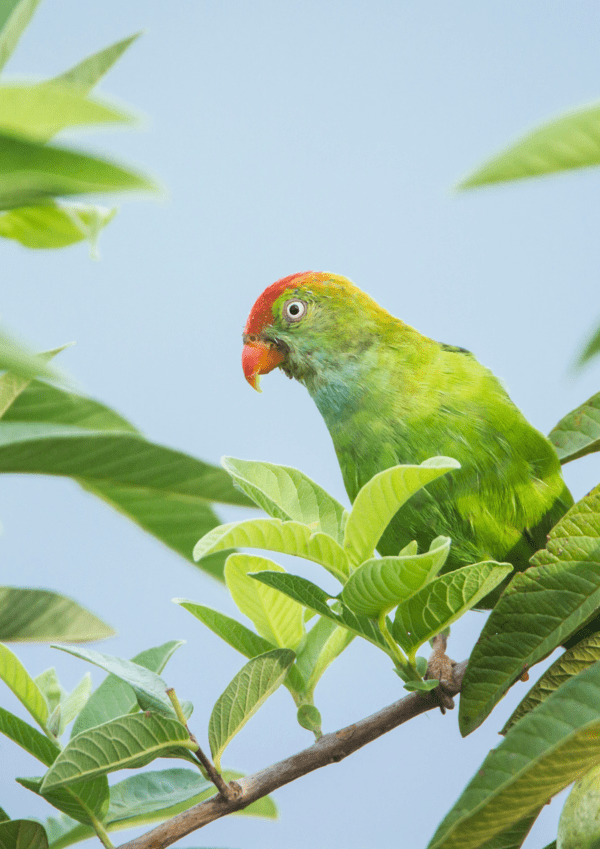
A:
(390, 396)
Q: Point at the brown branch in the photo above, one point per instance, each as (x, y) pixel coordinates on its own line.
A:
(330, 748)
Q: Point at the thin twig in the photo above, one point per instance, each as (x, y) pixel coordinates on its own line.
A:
(330, 748)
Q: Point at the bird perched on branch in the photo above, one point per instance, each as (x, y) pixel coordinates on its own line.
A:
(389, 395)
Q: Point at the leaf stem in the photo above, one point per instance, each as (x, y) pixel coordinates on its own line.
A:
(217, 779)
(398, 656)
(101, 832)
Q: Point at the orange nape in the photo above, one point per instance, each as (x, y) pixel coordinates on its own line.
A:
(259, 357)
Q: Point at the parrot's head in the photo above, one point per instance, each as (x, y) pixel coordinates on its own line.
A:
(308, 324)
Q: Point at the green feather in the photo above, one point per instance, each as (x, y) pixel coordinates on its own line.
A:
(389, 395)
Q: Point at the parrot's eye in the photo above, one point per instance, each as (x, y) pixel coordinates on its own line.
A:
(294, 310)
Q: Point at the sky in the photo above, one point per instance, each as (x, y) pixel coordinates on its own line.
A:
(290, 136)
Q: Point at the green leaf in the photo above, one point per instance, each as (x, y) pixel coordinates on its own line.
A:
(22, 834)
(324, 643)
(3, 815)
(570, 663)
(570, 141)
(276, 617)
(288, 494)
(14, 17)
(43, 615)
(309, 717)
(313, 597)
(380, 499)
(50, 687)
(539, 609)
(32, 172)
(275, 535)
(515, 835)
(12, 385)
(440, 603)
(149, 688)
(15, 676)
(578, 433)
(540, 755)
(22, 362)
(28, 738)
(125, 743)
(84, 801)
(591, 349)
(114, 697)
(55, 226)
(87, 73)
(578, 827)
(41, 110)
(74, 702)
(248, 690)
(382, 583)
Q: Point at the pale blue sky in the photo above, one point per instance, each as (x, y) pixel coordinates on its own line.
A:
(288, 136)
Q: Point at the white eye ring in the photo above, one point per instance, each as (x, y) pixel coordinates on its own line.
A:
(294, 310)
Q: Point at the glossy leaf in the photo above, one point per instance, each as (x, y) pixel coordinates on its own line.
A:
(440, 603)
(275, 535)
(55, 225)
(288, 494)
(14, 17)
(382, 583)
(380, 499)
(578, 433)
(88, 72)
(28, 738)
(570, 663)
(114, 697)
(540, 608)
(149, 688)
(15, 676)
(276, 617)
(248, 690)
(313, 597)
(22, 834)
(42, 615)
(32, 172)
(83, 801)
(539, 756)
(41, 110)
(570, 141)
(124, 743)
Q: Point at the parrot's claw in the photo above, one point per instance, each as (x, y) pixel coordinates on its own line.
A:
(440, 666)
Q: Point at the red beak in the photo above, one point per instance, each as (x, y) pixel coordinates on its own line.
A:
(259, 357)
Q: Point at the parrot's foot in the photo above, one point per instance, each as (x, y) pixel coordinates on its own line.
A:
(440, 666)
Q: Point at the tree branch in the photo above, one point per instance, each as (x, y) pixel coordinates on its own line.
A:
(330, 748)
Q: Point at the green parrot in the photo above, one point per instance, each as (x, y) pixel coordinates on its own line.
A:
(389, 395)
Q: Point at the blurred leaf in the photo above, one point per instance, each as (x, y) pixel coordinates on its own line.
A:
(3, 815)
(50, 687)
(571, 663)
(55, 226)
(124, 743)
(12, 385)
(22, 834)
(578, 433)
(15, 676)
(28, 738)
(382, 583)
(86, 74)
(32, 173)
(591, 349)
(114, 697)
(83, 801)
(540, 755)
(538, 610)
(288, 494)
(276, 617)
(14, 17)
(313, 597)
(42, 615)
(149, 688)
(22, 362)
(440, 603)
(380, 499)
(275, 535)
(74, 702)
(570, 141)
(41, 110)
(248, 690)
(579, 825)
